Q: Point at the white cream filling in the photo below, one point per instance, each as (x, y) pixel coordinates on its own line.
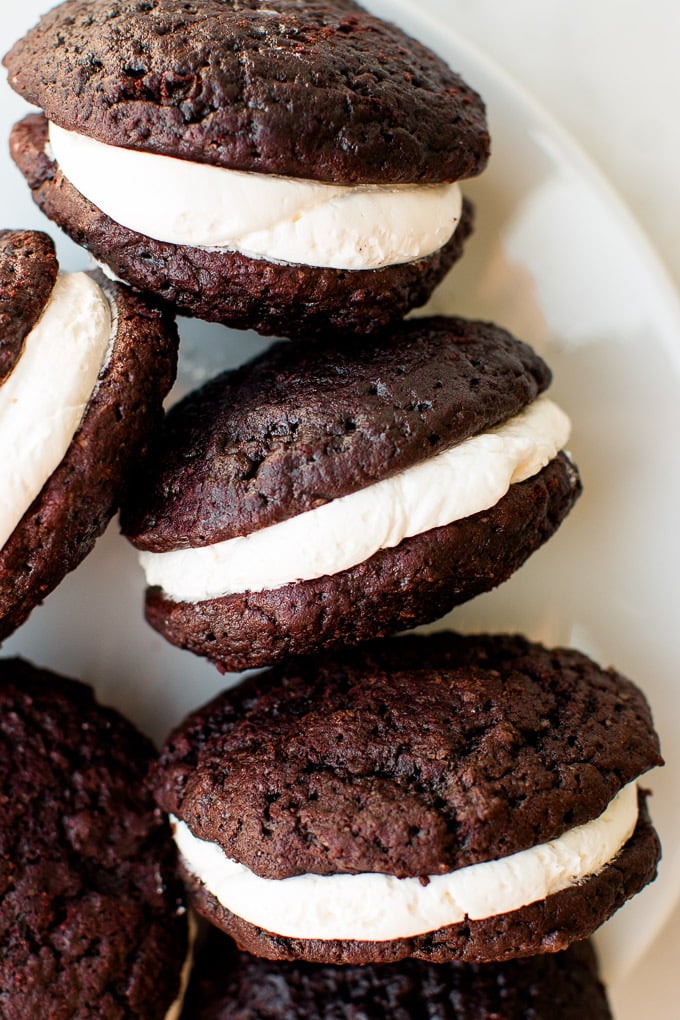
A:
(457, 483)
(263, 216)
(43, 400)
(377, 908)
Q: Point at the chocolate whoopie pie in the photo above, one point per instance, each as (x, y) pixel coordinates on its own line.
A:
(92, 923)
(443, 797)
(288, 166)
(328, 494)
(84, 367)
(228, 985)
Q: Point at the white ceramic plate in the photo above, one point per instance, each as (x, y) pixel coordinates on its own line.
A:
(557, 259)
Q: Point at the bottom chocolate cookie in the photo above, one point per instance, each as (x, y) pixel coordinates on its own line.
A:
(228, 984)
(225, 286)
(548, 926)
(418, 581)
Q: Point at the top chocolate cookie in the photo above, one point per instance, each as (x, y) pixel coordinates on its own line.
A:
(28, 272)
(320, 90)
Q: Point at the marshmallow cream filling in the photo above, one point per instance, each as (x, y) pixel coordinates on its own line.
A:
(456, 483)
(281, 219)
(378, 908)
(43, 401)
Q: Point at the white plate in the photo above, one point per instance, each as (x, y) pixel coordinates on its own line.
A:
(557, 259)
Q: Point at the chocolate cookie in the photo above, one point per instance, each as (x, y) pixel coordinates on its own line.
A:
(325, 495)
(91, 917)
(69, 449)
(28, 272)
(290, 168)
(445, 798)
(236, 83)
(560, 986)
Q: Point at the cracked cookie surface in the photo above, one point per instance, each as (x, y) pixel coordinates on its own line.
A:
(318, 91)
(238, 454)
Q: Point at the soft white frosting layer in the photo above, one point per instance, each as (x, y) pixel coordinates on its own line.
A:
(43, 400)
(280, 219)
(377, 908)
(457, 483)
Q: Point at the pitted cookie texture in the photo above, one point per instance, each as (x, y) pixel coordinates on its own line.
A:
(225, 286)
(548, 926)
(91, 914)
(305, 425)
(416, 757)
(314, 92)
(418, 581)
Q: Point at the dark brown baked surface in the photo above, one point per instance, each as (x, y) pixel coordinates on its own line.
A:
(305, 424)
(548, 926)
(316, 89)
(418, 581)
(28, 272)
(91, 915)
(410, 757)
(82, 495)
(245, 293)
(228, 984)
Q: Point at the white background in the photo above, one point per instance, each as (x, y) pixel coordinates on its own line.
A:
(609, 71)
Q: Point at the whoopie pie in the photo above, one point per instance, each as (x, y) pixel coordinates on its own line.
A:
(288, 166)
(441, 797)
(84, 367)
(330, 493)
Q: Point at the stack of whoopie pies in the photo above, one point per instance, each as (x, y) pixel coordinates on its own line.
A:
(409, 807)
